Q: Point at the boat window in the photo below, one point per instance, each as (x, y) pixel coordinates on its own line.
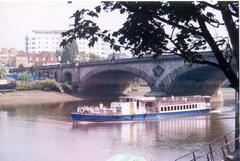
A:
(168, 108)
(174, 107)
(161, 108)
(188, 107)
(195, 105)
(178, 107)
(182, 107)
(171, 108)
(137, 104)
(165, 108)
(149, 104)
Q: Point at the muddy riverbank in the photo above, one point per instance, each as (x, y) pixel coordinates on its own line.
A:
(35, 97)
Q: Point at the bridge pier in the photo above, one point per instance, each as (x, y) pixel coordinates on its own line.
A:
(217, 100)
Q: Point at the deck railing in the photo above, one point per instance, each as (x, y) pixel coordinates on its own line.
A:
(216, 150)
(182, 99)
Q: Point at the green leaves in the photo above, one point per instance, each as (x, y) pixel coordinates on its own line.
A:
(98, 9)
(153, 28)
(2, 70)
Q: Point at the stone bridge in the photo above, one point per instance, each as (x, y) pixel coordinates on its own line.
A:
(168, 75)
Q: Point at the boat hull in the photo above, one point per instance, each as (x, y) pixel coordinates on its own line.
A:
(150, 116)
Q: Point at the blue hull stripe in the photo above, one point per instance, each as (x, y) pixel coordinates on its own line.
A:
(99, 118)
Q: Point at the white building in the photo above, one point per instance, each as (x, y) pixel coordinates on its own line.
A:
(100, 48)
(49, 40)
(43, 40)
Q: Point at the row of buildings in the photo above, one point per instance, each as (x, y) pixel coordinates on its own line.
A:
(14, 58)
(49, 40)
(40, 46)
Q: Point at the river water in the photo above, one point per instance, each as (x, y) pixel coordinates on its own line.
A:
(45, 133)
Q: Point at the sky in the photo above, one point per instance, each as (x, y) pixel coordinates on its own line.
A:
(18, 18)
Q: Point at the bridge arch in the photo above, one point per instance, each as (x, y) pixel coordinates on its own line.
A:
(167, 80)
(203, 80)
(67, 77)
(115, 70)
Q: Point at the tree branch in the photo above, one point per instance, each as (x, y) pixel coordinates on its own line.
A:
(224, 65)
(214, 6)
(217, 7)
(178, 25)
(194, 60)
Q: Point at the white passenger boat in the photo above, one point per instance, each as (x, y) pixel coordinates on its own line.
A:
(143, 108)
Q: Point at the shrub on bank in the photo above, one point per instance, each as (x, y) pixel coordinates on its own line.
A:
(49, 84)
(66, 87)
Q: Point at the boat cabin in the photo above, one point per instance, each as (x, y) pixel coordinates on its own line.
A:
(133, 105)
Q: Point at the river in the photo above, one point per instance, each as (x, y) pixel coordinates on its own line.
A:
(45, 133)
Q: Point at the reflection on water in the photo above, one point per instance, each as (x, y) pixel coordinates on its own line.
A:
(44, 132)
(3, 114)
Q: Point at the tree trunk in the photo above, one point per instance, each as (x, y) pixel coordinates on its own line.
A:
(237, 120)
(224, 65)
(233, 32)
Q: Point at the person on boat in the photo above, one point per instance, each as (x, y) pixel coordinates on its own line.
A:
(101, 107)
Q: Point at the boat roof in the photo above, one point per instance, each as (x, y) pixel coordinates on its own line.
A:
(142, 98)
